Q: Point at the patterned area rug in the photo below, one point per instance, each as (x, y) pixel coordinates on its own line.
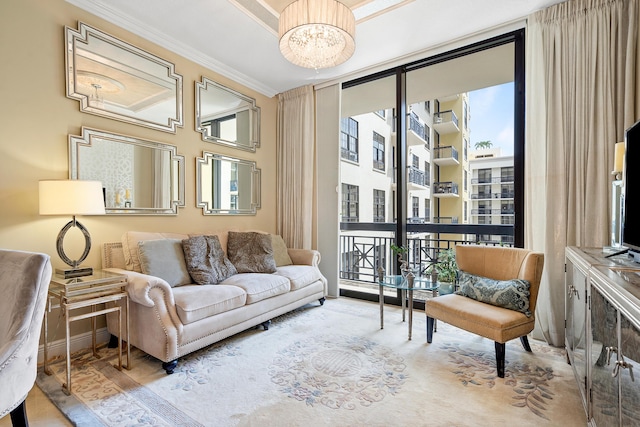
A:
(329, 365)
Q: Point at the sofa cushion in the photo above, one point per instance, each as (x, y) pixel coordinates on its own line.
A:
(164, 259)
(197, 302)
(251, 252)
(511, 294)
(259, 286)
(206, 261)
(280, 253)
(299, 275)
(130, 241)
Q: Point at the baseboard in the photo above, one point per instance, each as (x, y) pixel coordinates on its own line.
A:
(76, 342)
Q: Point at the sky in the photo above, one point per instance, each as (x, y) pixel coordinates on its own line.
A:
(491, 112)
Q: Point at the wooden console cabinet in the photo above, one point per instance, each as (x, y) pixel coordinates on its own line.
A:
(602, 334)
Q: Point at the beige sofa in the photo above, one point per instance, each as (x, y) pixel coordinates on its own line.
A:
(169, 322)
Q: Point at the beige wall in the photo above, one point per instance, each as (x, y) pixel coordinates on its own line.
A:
(37, 119)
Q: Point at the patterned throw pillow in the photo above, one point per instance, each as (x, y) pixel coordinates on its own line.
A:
(206, 262)
(512, 294)
(251, 252)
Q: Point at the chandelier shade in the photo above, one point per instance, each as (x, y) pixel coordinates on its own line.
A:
(317, 33)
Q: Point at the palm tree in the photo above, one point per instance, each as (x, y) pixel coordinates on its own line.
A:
(483, 144)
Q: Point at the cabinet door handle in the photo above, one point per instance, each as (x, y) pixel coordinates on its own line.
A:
(609, 351)
(624, 365)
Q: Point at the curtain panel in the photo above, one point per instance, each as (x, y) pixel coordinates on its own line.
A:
(582, 93)
(295, 166)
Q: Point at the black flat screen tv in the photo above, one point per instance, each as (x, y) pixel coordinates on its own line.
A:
(631, 185)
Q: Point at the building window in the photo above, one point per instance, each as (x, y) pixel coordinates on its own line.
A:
(465, 212)
(415, 207)
(484, 176)
(507, 174)
(415, 161)
(382, 113)
(427, 210)
(484, 220)
(378, 206)
(378, 151)
(427, 174)
(507, 207)
(465, 148)
(349, 203)
(508, 220)
(349, 139)
(466, 178)
(465, 115)
(427, 106)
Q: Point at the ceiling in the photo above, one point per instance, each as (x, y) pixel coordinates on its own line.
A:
(239, 38)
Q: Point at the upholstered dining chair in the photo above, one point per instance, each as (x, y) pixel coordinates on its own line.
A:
(24, 281)
(497, 308)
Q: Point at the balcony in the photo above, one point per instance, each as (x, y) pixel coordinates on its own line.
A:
(418, 180)
(419, 134)
(445, 189)
(445, 156)
(445, 220)
(445, 122)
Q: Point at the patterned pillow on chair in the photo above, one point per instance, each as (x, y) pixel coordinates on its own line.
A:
(512, 294)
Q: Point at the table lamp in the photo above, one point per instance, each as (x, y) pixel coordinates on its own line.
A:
(72, 197)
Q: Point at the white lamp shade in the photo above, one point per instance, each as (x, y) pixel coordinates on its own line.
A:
(317, 33)
(71, 197)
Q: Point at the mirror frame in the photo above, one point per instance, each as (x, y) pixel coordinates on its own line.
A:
(255, 185)
(82, 35)
(86, 139)
(254, 137)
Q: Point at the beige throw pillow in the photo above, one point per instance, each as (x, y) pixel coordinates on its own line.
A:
(206, 262)
(280, 253)
(251, 252)
(164, 258)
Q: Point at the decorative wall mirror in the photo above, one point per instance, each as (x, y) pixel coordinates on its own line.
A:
(227, 186)
(139, 177)
(114, 79)
(226, 117)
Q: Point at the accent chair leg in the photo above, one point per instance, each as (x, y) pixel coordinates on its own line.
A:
(322, 300)
(170, 366)
(525, 343)
(430, 323)
(266, 324)
(19, 415)
(500, 350)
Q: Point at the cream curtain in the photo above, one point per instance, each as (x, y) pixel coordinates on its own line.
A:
(295, 168)
(583, 91)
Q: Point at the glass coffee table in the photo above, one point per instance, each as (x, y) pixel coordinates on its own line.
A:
(401, 283)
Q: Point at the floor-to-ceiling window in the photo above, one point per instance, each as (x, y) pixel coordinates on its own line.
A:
(418, 121)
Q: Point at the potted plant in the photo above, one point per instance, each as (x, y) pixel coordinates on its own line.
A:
(446, 266)
(401, 252)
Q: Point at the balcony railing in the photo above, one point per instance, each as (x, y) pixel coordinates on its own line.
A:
(492, 180)
(445, 220)
(445, 116)
(419, 128)
(486, 196)
(363, 253)
(445, 152)
(489, 211)
(445, 188)
(416, 176)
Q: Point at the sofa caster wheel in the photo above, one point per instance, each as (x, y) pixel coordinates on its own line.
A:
(169, 366)
(266, 324)
(322, 300)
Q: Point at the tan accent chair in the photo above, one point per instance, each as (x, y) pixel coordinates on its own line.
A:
(24, 280)
(496, 323)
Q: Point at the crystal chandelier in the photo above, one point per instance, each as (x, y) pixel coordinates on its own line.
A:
(317, 33)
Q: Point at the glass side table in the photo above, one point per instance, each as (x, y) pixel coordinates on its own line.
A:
(88, 291)
(402, 283)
